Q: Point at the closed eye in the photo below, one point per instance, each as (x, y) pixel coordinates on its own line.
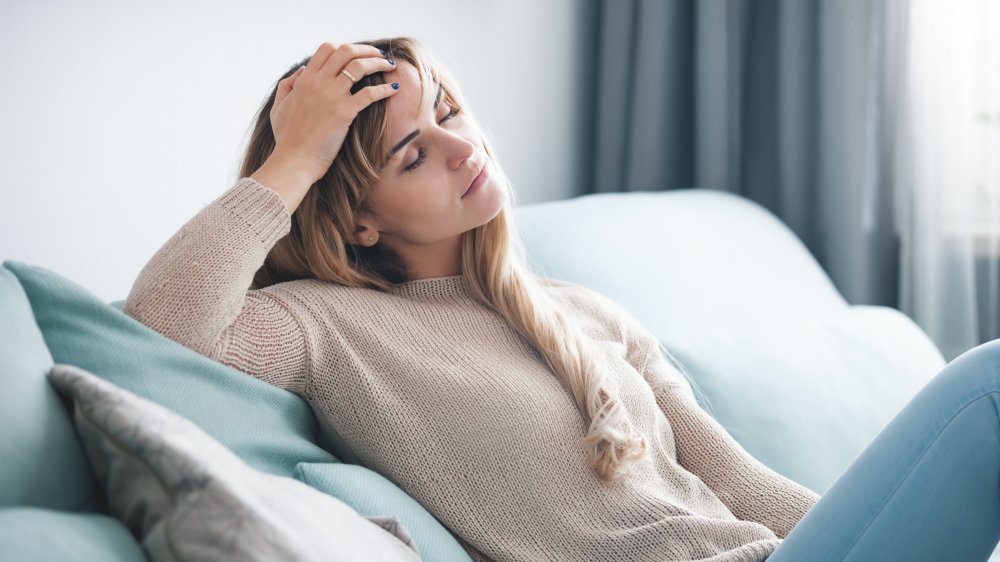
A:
(421, 153)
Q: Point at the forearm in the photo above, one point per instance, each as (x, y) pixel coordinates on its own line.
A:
(288, 177)
(195, 285)
(749, 488)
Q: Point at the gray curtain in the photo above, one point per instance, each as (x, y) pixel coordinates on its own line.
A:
(789, 103)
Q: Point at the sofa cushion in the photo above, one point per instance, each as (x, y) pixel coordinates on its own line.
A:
(800, 377)
(268, 427)
(187, 496)
(370, 493)
(45, 535)
(41, 459)
(805, 399)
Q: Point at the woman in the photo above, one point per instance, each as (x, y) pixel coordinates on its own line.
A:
(367, 261)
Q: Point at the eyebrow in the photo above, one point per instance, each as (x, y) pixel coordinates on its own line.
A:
(415, 133)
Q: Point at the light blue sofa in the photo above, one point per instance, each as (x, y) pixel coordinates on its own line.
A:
(801, 378)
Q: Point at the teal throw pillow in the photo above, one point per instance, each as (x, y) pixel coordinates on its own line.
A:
(266, 426)
(41, 461)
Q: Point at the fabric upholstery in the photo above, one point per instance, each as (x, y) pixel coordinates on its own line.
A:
(33, 534)
(41, 460)
(799, 376)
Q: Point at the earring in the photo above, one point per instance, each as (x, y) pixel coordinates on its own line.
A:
(371, 237)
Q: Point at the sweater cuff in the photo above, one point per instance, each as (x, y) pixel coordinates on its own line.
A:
(260, 207)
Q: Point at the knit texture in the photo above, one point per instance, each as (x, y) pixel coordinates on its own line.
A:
(434, 391)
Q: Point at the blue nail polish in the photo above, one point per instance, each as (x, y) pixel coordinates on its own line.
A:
(392, 62)
(395, 85)
(381, 51)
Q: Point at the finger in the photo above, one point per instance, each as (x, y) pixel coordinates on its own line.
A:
(319, 58)
(369, 94)
(344, 54)
(286, 85)
(359, 68)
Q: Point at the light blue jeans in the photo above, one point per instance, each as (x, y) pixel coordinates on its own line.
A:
(927, 488)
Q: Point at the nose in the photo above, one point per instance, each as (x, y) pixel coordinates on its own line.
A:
(461, 149)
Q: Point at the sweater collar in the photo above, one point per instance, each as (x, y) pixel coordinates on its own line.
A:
(432, 288)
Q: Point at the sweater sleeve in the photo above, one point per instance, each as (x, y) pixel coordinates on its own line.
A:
(749, 488)
(195, 288)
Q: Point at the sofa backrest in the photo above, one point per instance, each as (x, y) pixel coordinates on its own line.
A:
(800, 377)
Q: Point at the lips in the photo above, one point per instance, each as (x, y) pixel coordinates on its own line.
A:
(474, 179)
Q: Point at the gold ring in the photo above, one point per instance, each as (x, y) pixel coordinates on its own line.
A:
(353, 79)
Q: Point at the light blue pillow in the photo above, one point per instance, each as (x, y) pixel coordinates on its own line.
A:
(370, 493)
(44, 535)
(41, 461)
(266, 426)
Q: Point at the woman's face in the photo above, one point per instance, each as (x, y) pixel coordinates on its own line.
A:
(417, 207)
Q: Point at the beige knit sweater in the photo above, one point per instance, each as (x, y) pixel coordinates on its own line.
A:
(439, 395)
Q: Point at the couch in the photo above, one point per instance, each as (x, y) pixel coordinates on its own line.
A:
(799, 376)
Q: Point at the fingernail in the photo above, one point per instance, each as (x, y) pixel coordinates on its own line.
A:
(382, 51)
(392, 62)
(395, 85)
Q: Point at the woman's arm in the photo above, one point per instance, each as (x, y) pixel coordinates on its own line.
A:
(194, 289)
(749, 488)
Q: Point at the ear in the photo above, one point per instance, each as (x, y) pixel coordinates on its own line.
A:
(366, 233)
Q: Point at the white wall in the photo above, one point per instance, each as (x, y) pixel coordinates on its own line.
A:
(122, 119)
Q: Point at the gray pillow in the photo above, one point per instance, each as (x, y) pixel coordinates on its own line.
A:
(186, 496)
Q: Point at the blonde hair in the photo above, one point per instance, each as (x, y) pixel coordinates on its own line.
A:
(493, 258)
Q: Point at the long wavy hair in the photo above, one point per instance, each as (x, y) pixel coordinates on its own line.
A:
(319, 246)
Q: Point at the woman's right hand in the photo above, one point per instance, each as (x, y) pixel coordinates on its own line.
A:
(313, 108)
